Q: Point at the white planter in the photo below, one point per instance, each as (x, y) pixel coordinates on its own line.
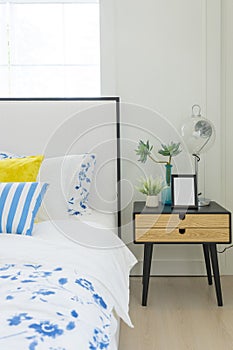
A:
(152, 201)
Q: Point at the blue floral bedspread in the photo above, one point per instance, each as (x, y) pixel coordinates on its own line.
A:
(51, 308)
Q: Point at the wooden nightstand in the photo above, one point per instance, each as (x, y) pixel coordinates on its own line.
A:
(206, 225)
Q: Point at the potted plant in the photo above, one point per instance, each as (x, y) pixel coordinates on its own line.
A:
(144, 151)
(151, 187)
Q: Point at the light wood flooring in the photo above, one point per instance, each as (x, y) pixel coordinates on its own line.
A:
(181, 314)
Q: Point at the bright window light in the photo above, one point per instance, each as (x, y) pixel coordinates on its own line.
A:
(49, 49)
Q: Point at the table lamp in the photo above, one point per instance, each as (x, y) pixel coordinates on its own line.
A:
(199, 135)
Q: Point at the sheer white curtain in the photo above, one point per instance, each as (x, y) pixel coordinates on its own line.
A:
(49, 48)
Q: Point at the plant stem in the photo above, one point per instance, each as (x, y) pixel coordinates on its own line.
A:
(158, 161)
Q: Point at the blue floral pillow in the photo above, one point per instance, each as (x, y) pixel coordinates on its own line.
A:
(80, 187)
(5, 155)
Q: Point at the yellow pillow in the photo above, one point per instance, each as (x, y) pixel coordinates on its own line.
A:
(20, 169)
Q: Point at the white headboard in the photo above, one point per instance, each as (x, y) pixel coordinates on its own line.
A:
(59, 126)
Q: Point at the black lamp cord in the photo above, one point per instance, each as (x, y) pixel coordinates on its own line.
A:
(223, 251)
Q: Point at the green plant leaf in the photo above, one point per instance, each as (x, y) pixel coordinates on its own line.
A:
(151, 186)
(143, 150)
(170, 150)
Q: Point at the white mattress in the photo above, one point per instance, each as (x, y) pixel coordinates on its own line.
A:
(83, 233)
(99, 219)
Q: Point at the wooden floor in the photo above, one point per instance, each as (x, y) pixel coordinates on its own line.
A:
(182, 314)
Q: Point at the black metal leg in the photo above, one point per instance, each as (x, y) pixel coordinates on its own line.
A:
(207, 262)
(214, 259)
(148, 250)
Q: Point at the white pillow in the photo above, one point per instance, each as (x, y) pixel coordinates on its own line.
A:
(70, 180)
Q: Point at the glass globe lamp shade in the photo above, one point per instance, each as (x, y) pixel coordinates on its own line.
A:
(198, 134)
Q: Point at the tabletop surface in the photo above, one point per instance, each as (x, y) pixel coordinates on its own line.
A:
(213, 208)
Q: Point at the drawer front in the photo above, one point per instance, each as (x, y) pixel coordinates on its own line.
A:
(188, 235)
(175, 220)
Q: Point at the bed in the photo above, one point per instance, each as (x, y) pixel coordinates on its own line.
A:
(64, 277)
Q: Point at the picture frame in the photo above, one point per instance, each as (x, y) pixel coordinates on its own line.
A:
(184, 191)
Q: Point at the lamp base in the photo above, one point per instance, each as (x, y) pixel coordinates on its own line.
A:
(203, 202)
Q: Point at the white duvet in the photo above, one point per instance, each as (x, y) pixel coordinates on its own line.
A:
(59, 287)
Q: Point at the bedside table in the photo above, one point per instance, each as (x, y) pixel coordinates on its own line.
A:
(206, 225)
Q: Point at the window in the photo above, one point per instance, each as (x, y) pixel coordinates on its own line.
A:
(49, 48)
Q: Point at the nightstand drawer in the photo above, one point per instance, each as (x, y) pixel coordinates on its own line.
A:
(182, 220)
(220, 235)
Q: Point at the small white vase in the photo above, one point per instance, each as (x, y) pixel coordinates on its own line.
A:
(152, 201)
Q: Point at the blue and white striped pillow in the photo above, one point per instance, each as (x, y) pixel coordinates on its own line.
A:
(19, 204)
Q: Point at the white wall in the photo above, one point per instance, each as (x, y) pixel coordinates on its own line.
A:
(226, 114)
(161, 57)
